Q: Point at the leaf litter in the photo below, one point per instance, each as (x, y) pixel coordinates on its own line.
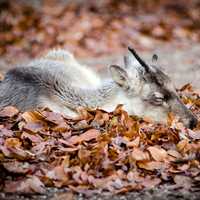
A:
(27, 31)
(98, 151)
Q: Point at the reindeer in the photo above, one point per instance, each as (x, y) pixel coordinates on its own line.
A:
(143, 89)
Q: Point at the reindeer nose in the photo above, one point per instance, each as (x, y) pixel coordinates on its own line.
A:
(193, 123)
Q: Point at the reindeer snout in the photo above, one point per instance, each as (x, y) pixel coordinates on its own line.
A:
(193, 123)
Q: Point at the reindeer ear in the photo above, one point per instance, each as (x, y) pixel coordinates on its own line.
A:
(119, 75)
(132, 64)
(130, 60)
(154, 58)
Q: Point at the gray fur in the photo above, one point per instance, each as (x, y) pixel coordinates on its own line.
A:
(23, 86)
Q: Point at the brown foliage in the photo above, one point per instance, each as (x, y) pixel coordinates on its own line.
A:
(109, 25)
(99, 151)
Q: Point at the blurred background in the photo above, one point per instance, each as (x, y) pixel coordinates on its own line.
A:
(99, 31)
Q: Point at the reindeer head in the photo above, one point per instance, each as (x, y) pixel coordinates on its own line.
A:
(149, 90)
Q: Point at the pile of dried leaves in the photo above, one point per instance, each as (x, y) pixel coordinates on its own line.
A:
(109, 25)
(98, 151)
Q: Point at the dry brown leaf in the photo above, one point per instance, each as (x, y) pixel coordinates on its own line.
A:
(174, 153)
(13, 142)
(150, 165)
(32, 116)
(6, 132)
(9, 111)
(33, 127)
(183, 146)
(183, 181)
(87, 136)
(30, 185)
(134, 143)
(52, 117)
(18, 167)
(158, 154)
(194, 134)
(32, 138)
(139, 155)
(131, 154)
(149, 182)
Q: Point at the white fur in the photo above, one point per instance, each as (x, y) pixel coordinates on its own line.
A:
(119, 99)
(56, 106)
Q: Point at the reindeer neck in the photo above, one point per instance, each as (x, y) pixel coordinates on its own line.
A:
(90, 98)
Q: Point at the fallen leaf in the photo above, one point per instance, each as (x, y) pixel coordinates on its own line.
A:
(87, 136)
(30, 185)
(19, 167)
(32, 116)
(52, 117)
(134, 143)
(194, 134)
(4, 132)
(183, 181)
(9, 111)
(13, 142)
(32, 138)
(150, 165)
(34, 127)
(174, 153)
(149, 182)
(158, 154)
(183, 146)
(139, 155)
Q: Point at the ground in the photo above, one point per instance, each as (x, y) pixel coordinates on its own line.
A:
(162, 193)
(183, 66)
(180, 59)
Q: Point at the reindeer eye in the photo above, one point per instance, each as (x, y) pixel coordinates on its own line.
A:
(158, 98)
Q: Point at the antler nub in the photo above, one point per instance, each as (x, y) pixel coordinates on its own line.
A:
(139, 59)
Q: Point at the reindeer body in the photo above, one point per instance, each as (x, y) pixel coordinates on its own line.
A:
(31, 87)
(59, 82)
(60, 61)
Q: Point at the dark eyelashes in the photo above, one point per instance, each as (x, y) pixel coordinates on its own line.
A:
(167, 97)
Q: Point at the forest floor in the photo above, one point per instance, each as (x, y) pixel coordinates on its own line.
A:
(183, 66)
(161, 193)
(180, 59)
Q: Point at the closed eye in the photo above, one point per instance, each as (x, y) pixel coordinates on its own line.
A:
(158, 95)
(157, 99)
